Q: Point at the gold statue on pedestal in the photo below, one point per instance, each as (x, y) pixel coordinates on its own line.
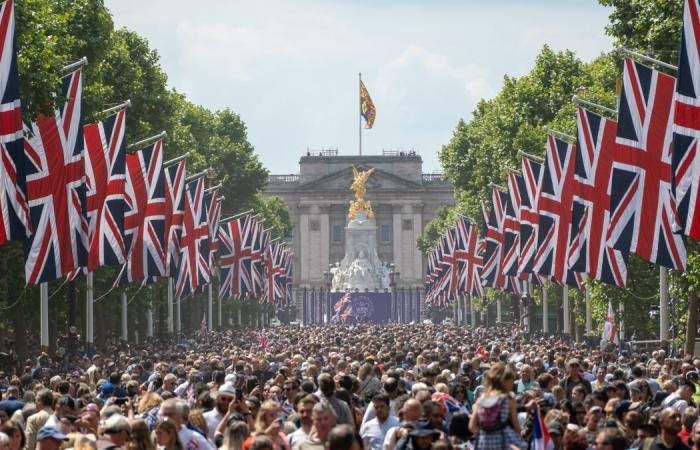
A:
(358, 185)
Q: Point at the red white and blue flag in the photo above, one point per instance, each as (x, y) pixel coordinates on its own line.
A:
(144, 219)
(529, 191)
(491, 273)
(686, 124)
(274, 291)
(589, 251)
(193, 271)
(469, 259)
(105, 177)
(174, 175)
(56, 189)
(554, 208)
(212, 202)
(235, 239)
(511, 226)
(642, 205)
(541, 440)
(14, 211)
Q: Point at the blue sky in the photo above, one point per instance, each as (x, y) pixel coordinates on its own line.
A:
(289, 68)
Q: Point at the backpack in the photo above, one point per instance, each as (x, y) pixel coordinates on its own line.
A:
(489, 414)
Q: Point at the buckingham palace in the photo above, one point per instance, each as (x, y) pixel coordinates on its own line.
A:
(318, 197)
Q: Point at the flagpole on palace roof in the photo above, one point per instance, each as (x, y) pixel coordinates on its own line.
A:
(359, 91)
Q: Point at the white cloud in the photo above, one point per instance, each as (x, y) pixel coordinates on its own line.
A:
(290, 68)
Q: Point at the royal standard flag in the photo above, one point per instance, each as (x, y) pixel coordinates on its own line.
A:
(368, 110)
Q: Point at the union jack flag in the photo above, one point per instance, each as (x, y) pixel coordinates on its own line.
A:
(274, 291)
(686, 124)
(491, 273)
(56, 190)
(174, 213)
(261, 239)
(529, 191)
(14, 212)
(589, 252)
(213, 204)
(235, 237)
(642, 206)
(193, 271)
(554, 208)
(511, 226)
(144, 218)
(468, 258)
(105, 176)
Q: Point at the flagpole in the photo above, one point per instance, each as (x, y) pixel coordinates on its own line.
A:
(359, 90)
(589, 319)
(89, 311)
(565, 302)
(44, 315)
(663, 304)
(545, 310)
(171, 322)
(125, 333)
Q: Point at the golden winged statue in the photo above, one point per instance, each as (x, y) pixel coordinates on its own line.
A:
(358, 185)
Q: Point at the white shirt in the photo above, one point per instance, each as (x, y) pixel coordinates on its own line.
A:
(194, 441)
(297, 437)
(676, 401)
(212, 418)
(373, 432)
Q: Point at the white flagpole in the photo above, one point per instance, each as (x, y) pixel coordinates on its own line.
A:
(125, 333)
(89, 311)
(565, 302)
(545, 310)
(171, 322)
(44, 315)
(663, 304)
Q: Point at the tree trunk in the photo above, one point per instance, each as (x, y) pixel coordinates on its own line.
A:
(692, 327)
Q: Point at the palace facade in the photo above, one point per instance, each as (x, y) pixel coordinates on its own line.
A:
(404, 199)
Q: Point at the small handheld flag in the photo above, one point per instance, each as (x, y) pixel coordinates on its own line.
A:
(368, 111)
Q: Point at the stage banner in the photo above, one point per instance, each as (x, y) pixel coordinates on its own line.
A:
(360, 307)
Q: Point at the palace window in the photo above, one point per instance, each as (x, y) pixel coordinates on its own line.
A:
(337, 233)
(385, 232)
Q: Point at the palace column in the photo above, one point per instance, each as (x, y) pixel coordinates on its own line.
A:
(314, 231)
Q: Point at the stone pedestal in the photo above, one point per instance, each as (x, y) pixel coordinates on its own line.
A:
(360, 268)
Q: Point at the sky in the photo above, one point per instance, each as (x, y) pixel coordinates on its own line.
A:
(290, 68)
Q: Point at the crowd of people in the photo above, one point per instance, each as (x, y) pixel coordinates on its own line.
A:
(370, 387)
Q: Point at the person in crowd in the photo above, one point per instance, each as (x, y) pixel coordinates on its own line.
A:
(50, 438)
(495, 418)
(44, 404)
(15, 434)
(324, 419)
(344, 437)
(304, 407)
(224, 395)
(166, 435)
(373, 432)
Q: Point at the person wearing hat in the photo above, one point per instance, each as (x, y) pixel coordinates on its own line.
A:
(224, 396)
(573, 378)
(50, 438)
(421, 437)
(115, 433)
